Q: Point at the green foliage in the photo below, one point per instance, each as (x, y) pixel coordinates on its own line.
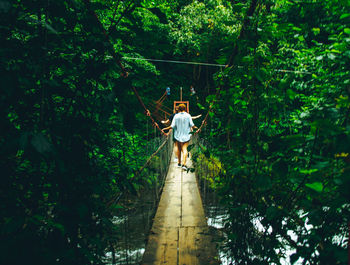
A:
(201, 27)
(68, 128)
(73, 134)
(208, 167)
(286, 135)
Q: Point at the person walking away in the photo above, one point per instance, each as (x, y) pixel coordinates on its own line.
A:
(182, 124)
(169, 121)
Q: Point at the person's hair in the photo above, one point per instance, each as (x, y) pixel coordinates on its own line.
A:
(182, 107)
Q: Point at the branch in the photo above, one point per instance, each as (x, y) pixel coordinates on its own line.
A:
(116, 22)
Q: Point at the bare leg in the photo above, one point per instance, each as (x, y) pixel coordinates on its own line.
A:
(184, 151)
(179, 149)
(176, 150)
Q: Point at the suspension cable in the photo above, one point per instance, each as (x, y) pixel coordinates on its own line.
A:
(204, 122)
(147, 111)
(151, 156)
(125, 73)
(173, 61)
(211, 64)
(114, 54)
(111, 47)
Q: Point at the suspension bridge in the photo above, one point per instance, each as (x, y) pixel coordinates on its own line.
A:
(180, 233)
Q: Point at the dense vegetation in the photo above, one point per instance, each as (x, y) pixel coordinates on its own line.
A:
(72, 132)
(287, 134)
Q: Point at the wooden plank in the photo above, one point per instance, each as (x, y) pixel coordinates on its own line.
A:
(169, 209)
(174, 173)
(196, 246)
(208, 253)
(192, 208)
(187, 246)
(179, 233)
(162, 247)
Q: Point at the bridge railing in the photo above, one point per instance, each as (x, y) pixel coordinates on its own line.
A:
(207, 169)
(134, 215)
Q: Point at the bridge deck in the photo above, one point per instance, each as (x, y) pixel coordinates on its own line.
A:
(180, 235)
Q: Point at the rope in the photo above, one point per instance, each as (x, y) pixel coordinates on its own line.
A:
(114, 54)
(172, 61)
(209, 64)
(285, 71)
(292, 71)
(164, 107)
(114, 200)
(147, 111)
(204, 122)
(158, 104)
(125, 73)
(150, 158)
(218, 91)
(157, 108)
(111, 47)
(162, 98)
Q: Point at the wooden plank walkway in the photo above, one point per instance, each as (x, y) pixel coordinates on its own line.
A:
(180, 234)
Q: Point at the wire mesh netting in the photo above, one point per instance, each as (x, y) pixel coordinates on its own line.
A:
(207, 168)
(134, 217)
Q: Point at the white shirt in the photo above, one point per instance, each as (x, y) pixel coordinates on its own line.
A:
(182, 124)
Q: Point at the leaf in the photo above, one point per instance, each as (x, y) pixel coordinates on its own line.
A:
(317, 186)
(316, 31)
(347, 30)
(200, 106)
(221, 60)
(117, 206)
(322, 165)
(345, 15)
(59, 227)
(291, 94)
(208, 99)
(308, 171)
